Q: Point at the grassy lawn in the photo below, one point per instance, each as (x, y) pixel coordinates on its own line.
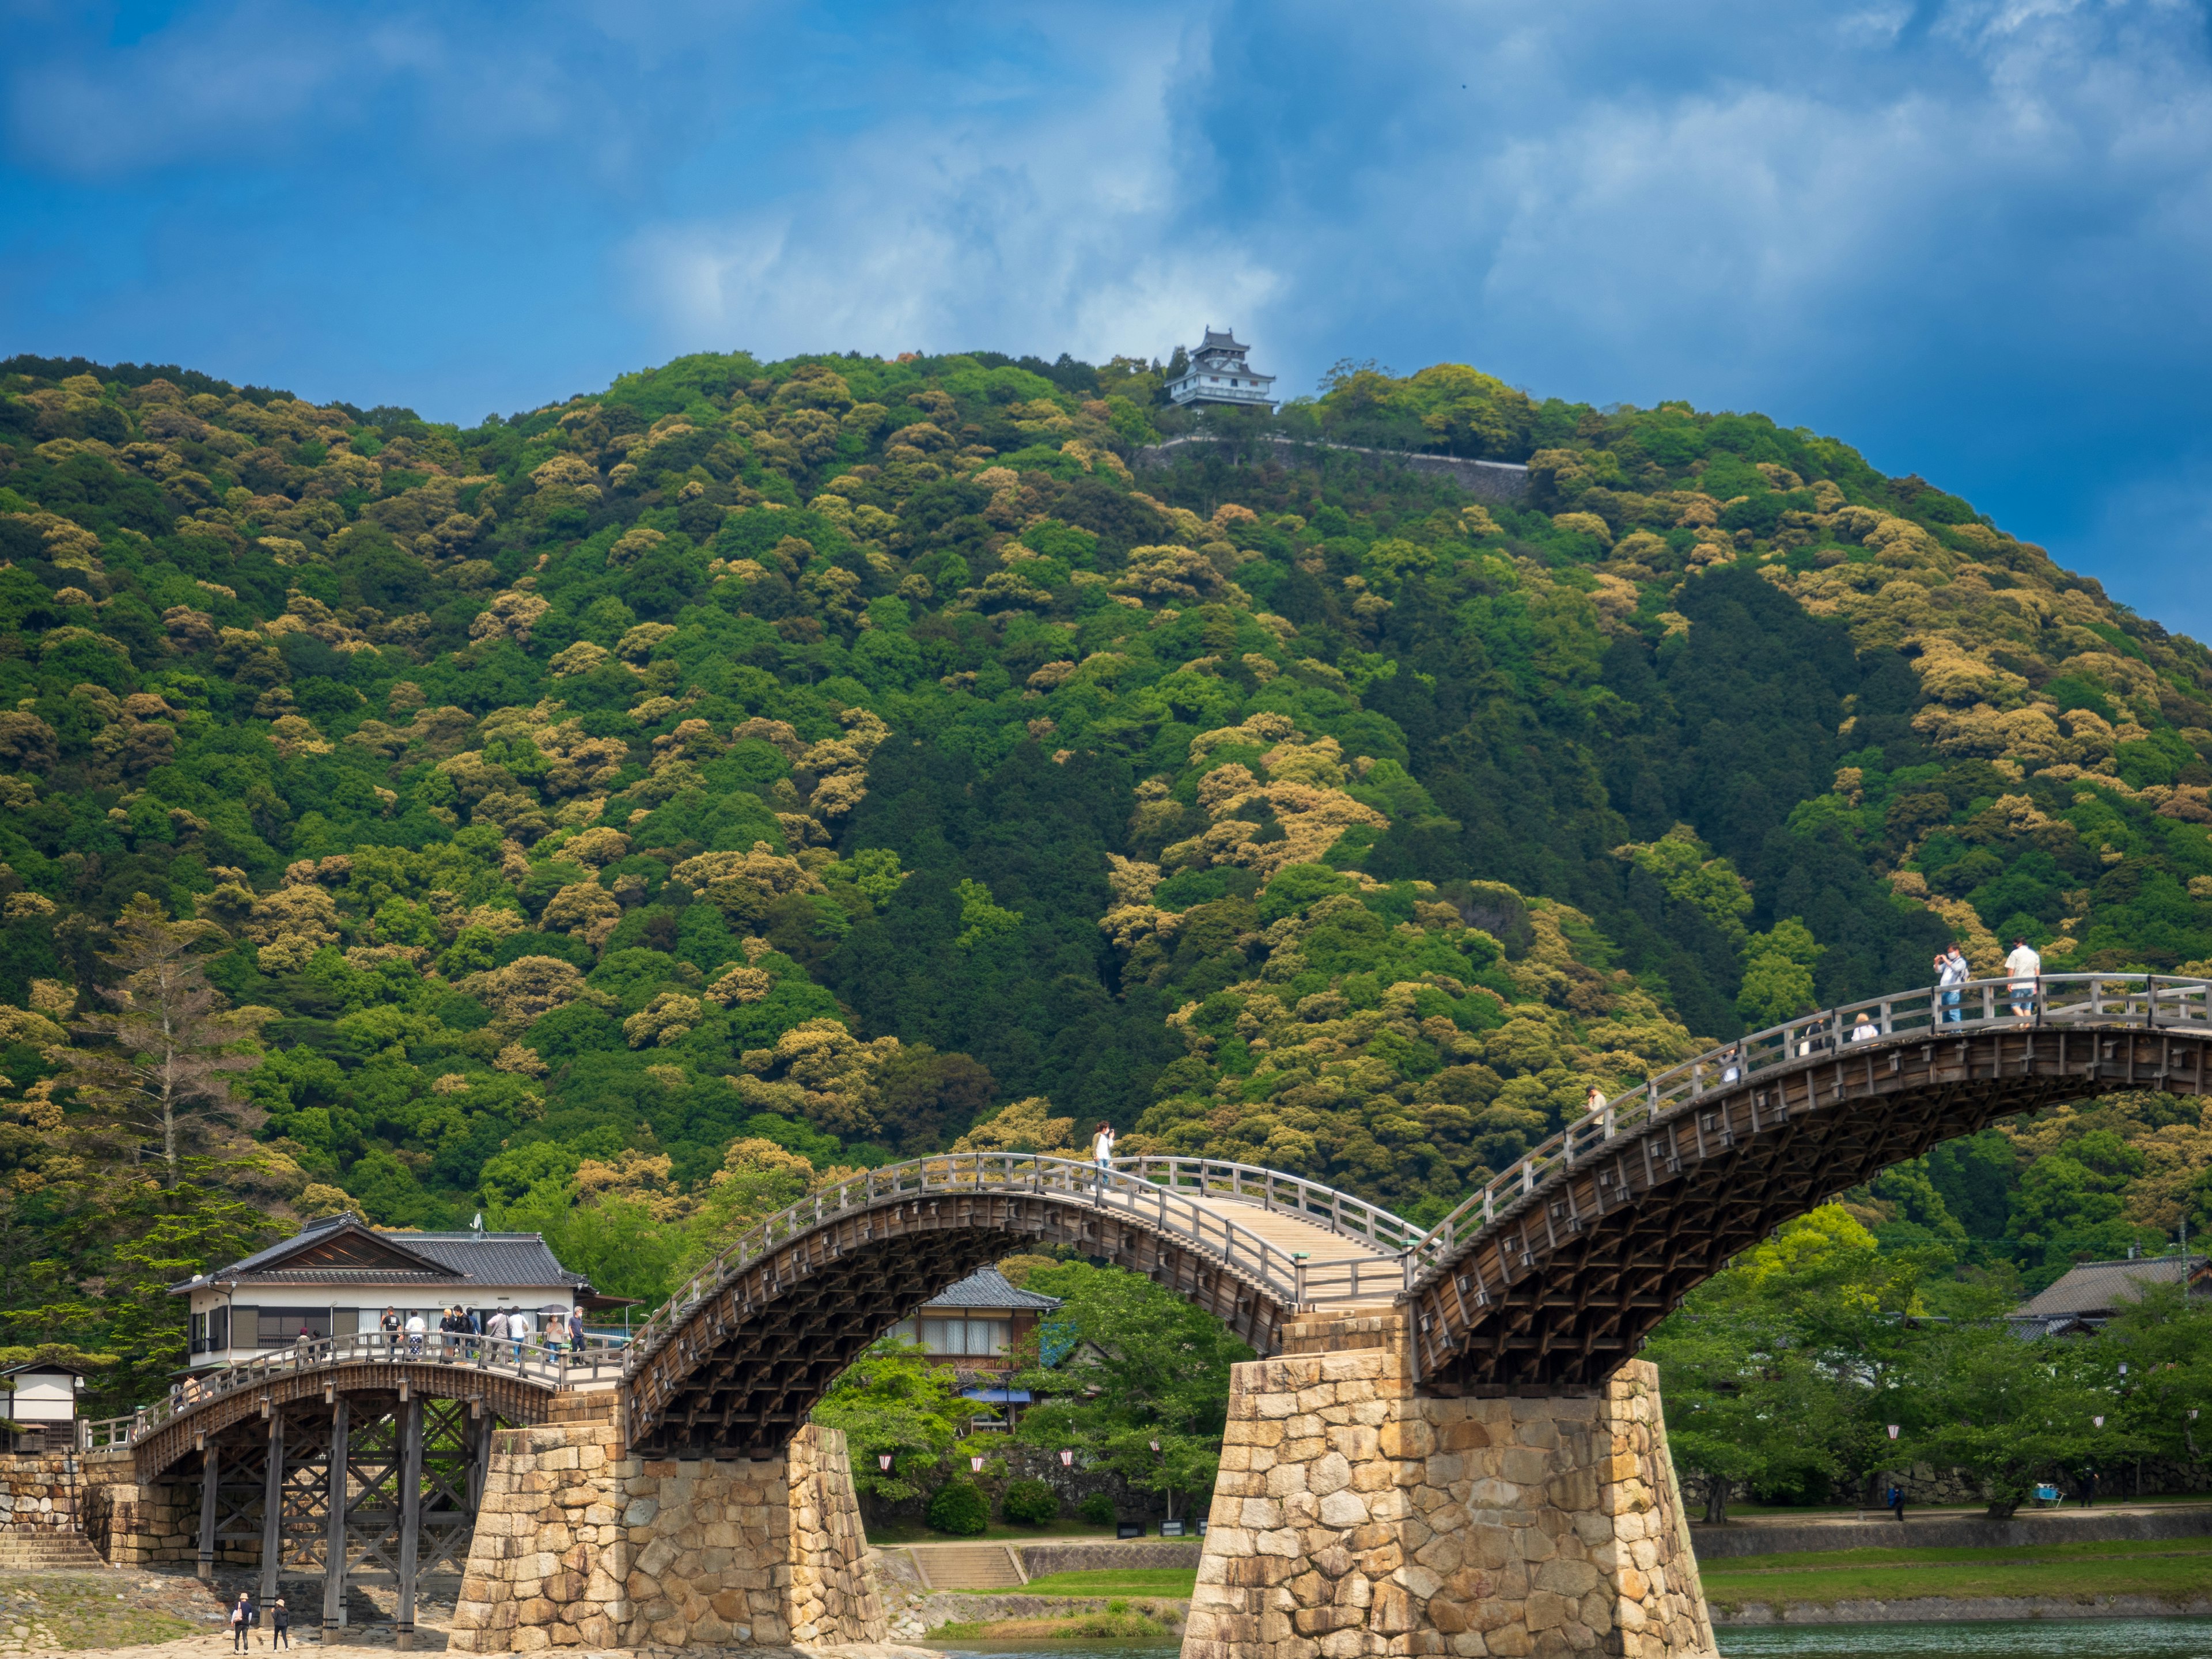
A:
(1875, 1512)
(1132, 1581)
(2177, 1569)
(1119, 1621)
(908, 1531)
(88, 1610)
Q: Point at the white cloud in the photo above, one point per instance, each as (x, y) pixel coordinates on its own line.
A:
(1026, 219)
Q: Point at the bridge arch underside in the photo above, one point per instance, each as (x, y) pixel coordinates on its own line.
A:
(1565, 1286)
(739, 1376)
(508, 1398)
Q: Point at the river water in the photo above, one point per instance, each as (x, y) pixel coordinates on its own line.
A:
(2032, 1638)
(2040, 1638)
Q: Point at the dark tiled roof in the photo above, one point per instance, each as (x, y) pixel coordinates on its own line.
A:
(987, 1287)
(330, 1230)
(2099, 1287)
(493, 1258)
(521, 1260)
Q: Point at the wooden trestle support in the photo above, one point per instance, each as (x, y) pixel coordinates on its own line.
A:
(379, 1487)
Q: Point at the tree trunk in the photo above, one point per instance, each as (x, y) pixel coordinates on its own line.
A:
(1716, 1497)
(2001, 1508)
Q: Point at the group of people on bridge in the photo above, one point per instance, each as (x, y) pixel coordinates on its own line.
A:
(460, 1330)
(2023, 972)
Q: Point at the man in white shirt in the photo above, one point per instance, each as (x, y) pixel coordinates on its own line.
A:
(1102, 1151)
(2026, 968)
(417, 1327)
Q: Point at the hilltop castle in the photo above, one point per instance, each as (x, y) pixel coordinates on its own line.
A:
(1220, 378)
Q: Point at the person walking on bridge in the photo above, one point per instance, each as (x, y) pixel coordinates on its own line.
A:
(1101, 1153)
(2026, 968)
(1951, 972)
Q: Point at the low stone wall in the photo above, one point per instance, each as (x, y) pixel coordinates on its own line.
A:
(134, 1524)
(1965, 1609)
(1493, 481)
(1038, 1559)
(1947, 1532)
(41, 1491)
(1025, 1463)
(1354, 1517)
(577, 1545)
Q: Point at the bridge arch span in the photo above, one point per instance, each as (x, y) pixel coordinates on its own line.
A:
(734, 1362)
(1555, 1272)
(159, 1441)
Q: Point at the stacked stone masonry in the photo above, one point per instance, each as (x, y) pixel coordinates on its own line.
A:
(1353, 1517)
(41, 1491)
(578, 1544)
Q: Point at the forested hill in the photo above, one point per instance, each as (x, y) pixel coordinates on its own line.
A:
(646, 802)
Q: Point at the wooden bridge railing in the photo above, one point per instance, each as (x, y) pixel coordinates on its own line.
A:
(1292, 1279)
(532, 1359)
(1930, 1013)
(1284, 1195)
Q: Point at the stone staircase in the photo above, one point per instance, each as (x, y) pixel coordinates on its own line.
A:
(968, 1566)
(47, 1549)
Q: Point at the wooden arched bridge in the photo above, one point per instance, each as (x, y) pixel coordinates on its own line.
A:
(1544, 1279)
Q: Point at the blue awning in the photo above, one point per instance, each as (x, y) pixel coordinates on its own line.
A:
(998, 1397)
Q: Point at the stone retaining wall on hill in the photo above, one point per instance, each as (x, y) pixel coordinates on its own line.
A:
(1947, 1532)
(1493, 481)
(1038, 1559)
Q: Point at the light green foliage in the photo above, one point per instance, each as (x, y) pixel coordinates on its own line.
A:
(827, 752)
(1778, 975)
(1685, 866)
(1777, 1371)
(893, 1402)
(1141, 1367)
(979, 918)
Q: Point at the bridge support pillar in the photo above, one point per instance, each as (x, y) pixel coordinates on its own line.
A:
(1354, 1516)
(579, 1544)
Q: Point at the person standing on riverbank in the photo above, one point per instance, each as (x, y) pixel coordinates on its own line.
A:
(1897, 1504)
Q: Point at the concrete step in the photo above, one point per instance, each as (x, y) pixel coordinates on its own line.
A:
(968, 1566)
(28, 1552)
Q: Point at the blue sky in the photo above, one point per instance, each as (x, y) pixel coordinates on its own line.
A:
(1970, 238)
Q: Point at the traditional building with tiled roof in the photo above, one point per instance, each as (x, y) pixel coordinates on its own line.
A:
(977, 1326)
(2091, 1292)
(337, 1276)
(1218, 377)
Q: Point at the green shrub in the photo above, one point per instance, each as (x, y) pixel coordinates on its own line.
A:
(1097, 1510)
(1030, 1504)
(959, 1508)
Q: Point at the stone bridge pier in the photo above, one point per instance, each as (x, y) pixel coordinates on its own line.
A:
(1355, 1516)
(581, 1542)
